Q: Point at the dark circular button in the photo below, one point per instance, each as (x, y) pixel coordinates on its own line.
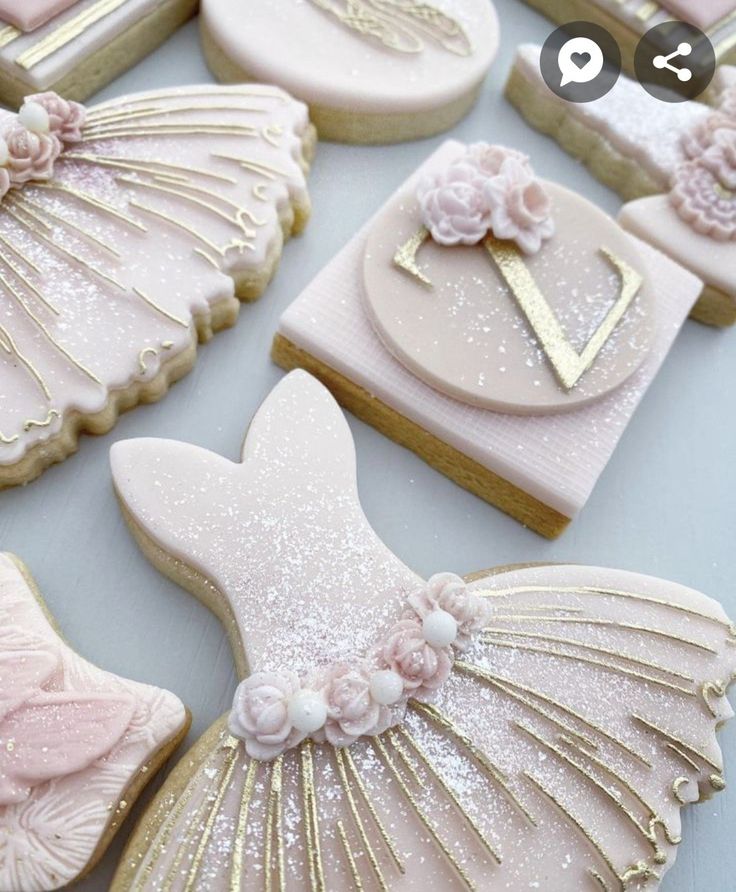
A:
(580, 62)
(675, 62)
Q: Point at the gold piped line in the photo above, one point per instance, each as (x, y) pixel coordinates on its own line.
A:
(676, 740)
(458, 735)
(425, 760)
(25, 202)
(236, 872)
(51, 415)
(18, 253)
(358, 820)
(247, 90)
(349, 855)
(676, 785)
(684, 756)
(619, 626)
(183, 226)
(372, 810)
(8, 34)
(273, 829)
(19, 274)
(576, 821)
(377, 743)
(171, 130)
(159, 309)
(232, 746)
(46, 333)
(142, 165)
(311, 818)
(608, 592)
(512, 688)
(269, 171)
(594, 648)
(11, 347)
(590, 661)
(97, 203)
(67, 32)
(137, 114)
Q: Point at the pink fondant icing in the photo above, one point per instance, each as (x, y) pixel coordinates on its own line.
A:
(31, 14)
(72, 740)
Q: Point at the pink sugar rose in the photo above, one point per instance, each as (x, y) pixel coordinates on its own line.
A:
(702, 201)
(697, 141)
(31, 155)
(453, 207)
(448, 592)
(720, 159)
(424, 668)
(488, 160)
(520, 208)
(66, 118)
(260, 714)
(351, 711)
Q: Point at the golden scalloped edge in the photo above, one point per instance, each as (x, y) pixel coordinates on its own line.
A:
(249, 285)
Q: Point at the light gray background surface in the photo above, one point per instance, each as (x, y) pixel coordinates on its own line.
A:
(664, 506)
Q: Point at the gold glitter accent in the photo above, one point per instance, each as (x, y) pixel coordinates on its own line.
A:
(67, 32)
(400, 25)
(236, 873)
(232, 745)
(602, 664)
(372, 810)
(358, 820)
(349, 855)
(425, 760)
(459, 736)
(8, 34)
(377, 743)
(717, 782)
(569, 365)
(406, 255)
(151, 303)
(676, 785)
(273, 829)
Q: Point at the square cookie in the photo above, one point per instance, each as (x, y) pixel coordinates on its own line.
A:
(75, 47)
(457, 372)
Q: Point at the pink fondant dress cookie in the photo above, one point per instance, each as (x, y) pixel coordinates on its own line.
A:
(371, 71)
(127, 232)
(77, 745)
(538, 727)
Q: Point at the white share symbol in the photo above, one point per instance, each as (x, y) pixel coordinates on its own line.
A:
(683, 74)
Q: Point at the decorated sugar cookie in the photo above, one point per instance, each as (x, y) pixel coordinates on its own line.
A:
(77, 46)
(629, 20)
(684, 153)
(77, 745)
(127, 233)
(372, 71)
(535, 727)
(499, 326)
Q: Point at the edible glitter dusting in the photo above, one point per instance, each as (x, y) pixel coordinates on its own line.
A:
(556, 755)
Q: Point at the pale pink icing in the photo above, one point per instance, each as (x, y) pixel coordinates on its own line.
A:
(282, 537)
(31, 14)
(704, 14)
(72, 740)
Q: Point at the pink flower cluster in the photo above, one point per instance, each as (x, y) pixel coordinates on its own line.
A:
(704, 187)
(365, 698)
(488, 189)
(34, 140)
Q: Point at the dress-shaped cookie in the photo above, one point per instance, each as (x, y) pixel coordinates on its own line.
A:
(682, 153)
(372, 71)
(501, 327)
(537, 727)
(77, 745)
(629, 20)
(127, 233)
(77, 46)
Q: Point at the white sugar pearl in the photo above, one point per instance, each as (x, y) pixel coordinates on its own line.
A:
(439, 628)
(34, 117)
(4, 153)
(307, 711)
(386, 686)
